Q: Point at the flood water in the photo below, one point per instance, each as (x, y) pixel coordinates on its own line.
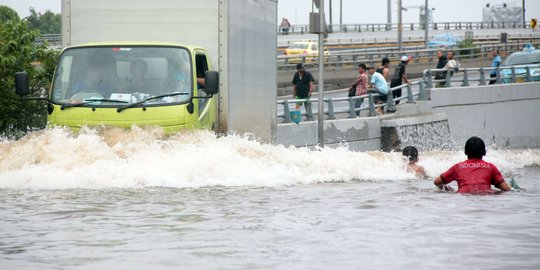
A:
(135, 199)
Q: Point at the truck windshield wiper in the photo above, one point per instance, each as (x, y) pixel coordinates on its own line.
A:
(148, 99)
(90, 101)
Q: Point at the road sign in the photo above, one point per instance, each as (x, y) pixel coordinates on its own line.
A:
(534, 23)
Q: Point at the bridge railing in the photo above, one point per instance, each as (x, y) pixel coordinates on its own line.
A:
(374, 55)
(420, 39)
(482, 76)
(411, 93)
(344, 107)
(377, 27)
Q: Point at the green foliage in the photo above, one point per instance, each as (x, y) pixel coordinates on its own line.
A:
(6, 14)
(468, 44)
(18, 52)
(47, 23)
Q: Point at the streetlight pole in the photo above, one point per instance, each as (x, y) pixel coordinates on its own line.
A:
(341, 14)
(523, 10)
(400, 26)
(426, 23)
(322, 30)
(389, 16)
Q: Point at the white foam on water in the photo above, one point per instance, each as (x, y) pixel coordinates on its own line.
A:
(56, 158)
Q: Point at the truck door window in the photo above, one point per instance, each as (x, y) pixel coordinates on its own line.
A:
(201, 66)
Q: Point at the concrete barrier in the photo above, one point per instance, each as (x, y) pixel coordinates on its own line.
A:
(507, 116)
(360, 134)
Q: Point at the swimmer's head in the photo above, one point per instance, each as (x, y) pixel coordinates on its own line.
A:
(411, 153)
(475, 148)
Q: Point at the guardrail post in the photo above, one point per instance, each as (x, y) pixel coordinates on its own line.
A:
(410, 98)
(435, 26)
(498, 79)
(465, 77)
(352, 103)
(421, 92)
(309, 111)
(513, 75)
(391, 104)
(331, 114)
(447, 83)
(482, 77)
(286, 112)
(428, 79)
(528, 74)
(371, 105)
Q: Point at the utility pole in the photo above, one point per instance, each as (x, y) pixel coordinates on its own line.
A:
(400, 25)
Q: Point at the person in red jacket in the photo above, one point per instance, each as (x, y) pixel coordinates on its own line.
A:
(474, 175)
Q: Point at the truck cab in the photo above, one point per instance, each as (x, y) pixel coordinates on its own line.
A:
(125, 84)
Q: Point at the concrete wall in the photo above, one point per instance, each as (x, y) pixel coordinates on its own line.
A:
(505, 115)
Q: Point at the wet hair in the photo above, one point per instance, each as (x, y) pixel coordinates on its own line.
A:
(410, 152)
(362, 66)
(475, 148)
(385, 61)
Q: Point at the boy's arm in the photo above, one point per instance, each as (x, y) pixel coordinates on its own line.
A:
(504, 186)
(438, 181)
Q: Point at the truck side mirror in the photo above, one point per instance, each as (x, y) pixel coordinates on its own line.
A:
(211, 82)
(21, 83)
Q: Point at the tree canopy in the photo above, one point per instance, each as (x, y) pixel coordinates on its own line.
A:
(19, 52)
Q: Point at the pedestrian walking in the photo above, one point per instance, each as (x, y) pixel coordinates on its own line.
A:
(303, 88)
(495, 64)
(285, 26)
(399, 77)
(361, 85)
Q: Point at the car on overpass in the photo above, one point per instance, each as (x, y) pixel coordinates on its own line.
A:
(307, 49)
(519, 60)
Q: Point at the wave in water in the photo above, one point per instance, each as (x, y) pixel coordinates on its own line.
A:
(56, 158)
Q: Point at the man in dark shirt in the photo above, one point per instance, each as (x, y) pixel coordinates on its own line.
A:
(440, 75)
(303, 88)
(400, 77)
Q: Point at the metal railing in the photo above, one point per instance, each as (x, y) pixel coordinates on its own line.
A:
(378, 27)
(415, 91)
(392, 39)
(419, 54)
(482, 75)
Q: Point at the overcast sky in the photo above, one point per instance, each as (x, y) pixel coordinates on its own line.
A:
(354, 11)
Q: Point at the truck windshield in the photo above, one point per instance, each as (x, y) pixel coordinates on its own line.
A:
(116, 76)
